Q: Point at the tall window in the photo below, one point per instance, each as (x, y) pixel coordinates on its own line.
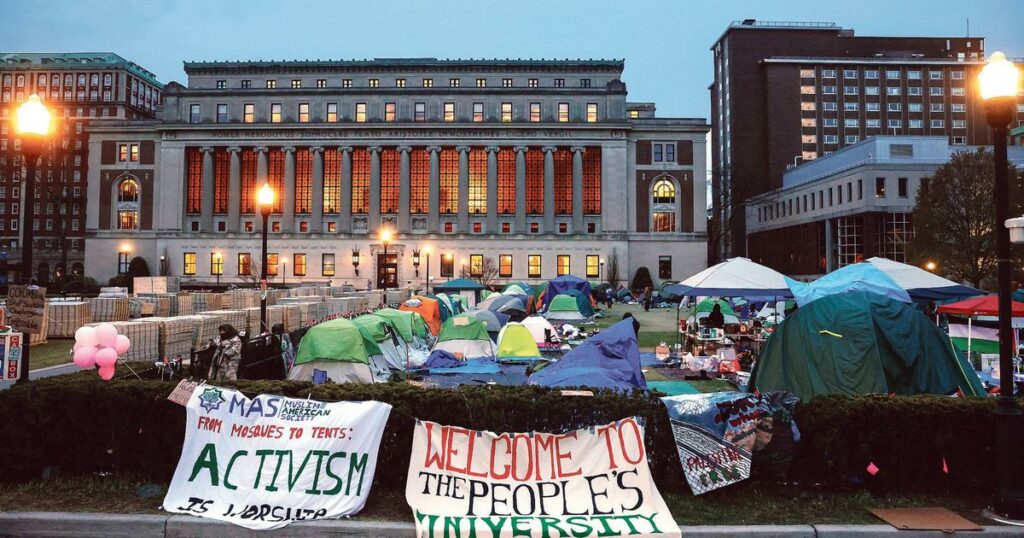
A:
(303, 112)
(332, 112)
(360, 112)
(535, 181)
(419, 181)
(563, 112)
(327, 265)
(299, 265)
(249, 159)
(275, 175)
(216, 263)
(476, 265)
(420, 112)
(478, 112)
(477, 180)
(390, 177)
(249, 113)
(189, 264)
(665, 267)
(563, 181)
(303, 181)
(506, 112)
(593, 266)
(449, 112)
(505, 266)
(535, 112)
(194, 114)
(592, 181)
(194, 181)
(222, 113)
(390, 112)
(275, 113)
(447, 264)
(533, 266)
(563, 264)
(360, 181)
(128, 204)
(221, 178)
(506, 181)
(332, 181)
(591, 112)
(449, 181)
(664, 206)
(273, 262)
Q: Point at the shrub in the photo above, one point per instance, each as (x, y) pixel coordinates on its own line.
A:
(642, 280)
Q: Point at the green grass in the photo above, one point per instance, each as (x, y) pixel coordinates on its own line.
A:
(52, 353)
(656, 326)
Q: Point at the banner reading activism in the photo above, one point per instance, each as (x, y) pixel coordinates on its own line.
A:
(267, 461)
(589, 482)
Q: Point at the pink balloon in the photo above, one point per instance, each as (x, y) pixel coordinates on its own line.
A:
(122, 345)
(84, 357)
(107, 372)
(106, 335)
(86, 336)
(106, 357)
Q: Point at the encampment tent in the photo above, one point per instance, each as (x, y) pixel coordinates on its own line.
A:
(854, 277)
(410, 325)
(736, 277)
(861, 343)
(564, 308)
(515, 343)
(340, 349)
(512, 305)
(922, 285)
(517, 288)
(391, 346)
(493, 320)
(705, 307)
(559, 285)
(583, 302)
(466, 336)
(429, 309)
(540, 328)
(609, 359)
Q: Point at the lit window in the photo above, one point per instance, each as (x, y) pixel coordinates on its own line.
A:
(506, 112)
(505, 266)
(122, 153)
(374, 83)
(303, 112)
(346, 83)
(271, 84)
(189, 264)
(454, 82)
(593, 266)
(449, 112)
(249, 113)
(332, 112)
(273, 263)
(533, 83)
(360, 112)
(275, 113)
(563, 112)
(321, 83)
(559, 82)
(296, 83)
(299, 265)
(481, 83)
(327, 265)
(447, 265)
(563, 264)
(591, 112)
(133, 153)
(478, 112)
(535, 112)
(399, 82)
(246, 84)
(389, 112)
(506, 83)
(428, 83)
(533, 266)
(476, 265)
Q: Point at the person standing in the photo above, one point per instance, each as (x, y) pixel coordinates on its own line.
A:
(287, 349)
(229, 353)
(609, 297)
(647, 299)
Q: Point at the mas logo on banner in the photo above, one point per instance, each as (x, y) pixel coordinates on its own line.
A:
(716, 434)
(589, 482)
(267, 461)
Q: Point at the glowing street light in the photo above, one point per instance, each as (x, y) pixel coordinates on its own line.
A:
(931, 266)
(426, 252)
(265, 200)
(385, 239)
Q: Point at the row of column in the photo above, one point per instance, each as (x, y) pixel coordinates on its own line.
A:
(374, 217)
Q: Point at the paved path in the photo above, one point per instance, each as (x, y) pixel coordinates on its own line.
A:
(49, 371)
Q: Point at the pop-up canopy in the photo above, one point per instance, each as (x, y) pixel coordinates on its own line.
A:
(737, 277)
(980, 306)
(921, 284)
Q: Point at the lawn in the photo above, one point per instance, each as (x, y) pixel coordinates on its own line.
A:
(52, 353)
(656, 326)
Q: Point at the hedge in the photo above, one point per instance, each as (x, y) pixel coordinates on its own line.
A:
(79, 424)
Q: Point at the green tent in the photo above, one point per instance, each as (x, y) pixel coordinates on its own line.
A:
(861, 343)
(407, 324)
(374, 329)
(518, 288)
(564, 307)
(582, 302)
(516, 342)
(705, 307)
(444, 306)
(485, 294)
(465, 336)
(337, 340)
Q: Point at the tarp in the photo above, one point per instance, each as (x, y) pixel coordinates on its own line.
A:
(516, 341)
(921, 284)
(861, 343)
(561, 284)
(609, 359)
(429, 309)
(980, 306)
(408, 324)
(736, 277)
(854, 277)
(440, 358)
(977, 337)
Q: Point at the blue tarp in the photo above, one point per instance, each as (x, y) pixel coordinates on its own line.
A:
(610, 359)
(856, 277)
(440, 358)
(483, 365)
(508, 374)
(563, 284)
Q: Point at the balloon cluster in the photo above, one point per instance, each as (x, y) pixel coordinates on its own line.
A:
(99, 346)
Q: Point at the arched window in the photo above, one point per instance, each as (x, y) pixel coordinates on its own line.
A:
(663, 206)
(128, 204)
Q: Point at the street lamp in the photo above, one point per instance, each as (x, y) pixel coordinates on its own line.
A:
(930, 266)
(33, 126)
(600, 270)
(998, 81)
(355, 260)
(218, 265)
(284, 271)
(426, 252)
(416, 261)
(264, 199)
(385, 239)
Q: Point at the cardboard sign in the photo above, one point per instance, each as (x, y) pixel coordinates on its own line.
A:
(183, 392)
(589, 482)
(26, 306)
(11, 346)
(265, 462)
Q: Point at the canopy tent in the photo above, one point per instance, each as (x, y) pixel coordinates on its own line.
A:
(736, 277)
(609, 359)
(987, 305)
(429, 309)
(515, 342)
(466, 336)
(854, 277)
(390, 345)
(459, 284)
(339, 348)
(564, 308)
(920, 284)
(705, 307)
(983, 339)
(563, 283)
(861, 343)
(409, 325)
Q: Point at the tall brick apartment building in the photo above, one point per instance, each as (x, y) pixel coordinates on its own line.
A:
(77, 87)
(789, 92)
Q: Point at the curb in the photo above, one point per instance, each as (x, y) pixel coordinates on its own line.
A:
(83, 525)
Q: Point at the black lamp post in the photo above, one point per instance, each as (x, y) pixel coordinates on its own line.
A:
(998, 81)
(426, 252)
(355, 260)
(33, 127)
(265, 199)
(416, 261)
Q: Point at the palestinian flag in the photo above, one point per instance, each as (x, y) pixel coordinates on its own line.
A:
(984, 335)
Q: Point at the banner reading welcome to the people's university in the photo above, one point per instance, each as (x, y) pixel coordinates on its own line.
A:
(588, 482)
(265, 462)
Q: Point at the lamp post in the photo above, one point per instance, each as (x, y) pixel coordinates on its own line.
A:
(998, 82)
(600, 270)
(426, 252)
(264, 199)
(33, 127)
(284, 271)
(385, 238)
(416, 261)
(218, 265)
(355, 260)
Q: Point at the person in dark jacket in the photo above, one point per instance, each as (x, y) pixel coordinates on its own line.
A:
(715, 318)
(229, 353)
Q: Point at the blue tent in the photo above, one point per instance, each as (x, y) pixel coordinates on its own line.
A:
(563, 284)
(855, 277)
(608, 360)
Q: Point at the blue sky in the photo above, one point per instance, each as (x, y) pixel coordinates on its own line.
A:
(665, 43)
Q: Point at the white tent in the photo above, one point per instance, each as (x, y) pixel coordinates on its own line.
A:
(737, 277)
(536, 325)
(921, 284)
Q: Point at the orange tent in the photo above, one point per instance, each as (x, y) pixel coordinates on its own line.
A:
(428, 309)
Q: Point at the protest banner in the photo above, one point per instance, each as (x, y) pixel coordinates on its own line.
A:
(265, 462)
(716, 434)
(26, 306)
(588, 482)
(10, 356)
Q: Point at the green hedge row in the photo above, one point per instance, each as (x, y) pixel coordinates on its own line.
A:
(80, 424)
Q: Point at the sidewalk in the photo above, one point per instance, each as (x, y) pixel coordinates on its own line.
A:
(79, 525)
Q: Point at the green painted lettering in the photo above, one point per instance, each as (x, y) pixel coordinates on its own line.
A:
(207, 460)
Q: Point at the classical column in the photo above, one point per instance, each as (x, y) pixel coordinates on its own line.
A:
(288, 200)
(261, 177)
(317, 224)
(577, 189)
(403, 190)
(235, 189)
(549, 189)
(434, 221)
(345, 212)
(521, 189)
(206, 224)
(374, 217)
(492, 189)
(463, 222)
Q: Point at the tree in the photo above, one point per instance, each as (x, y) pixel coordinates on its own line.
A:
(642, 279)
(488, 274)
(613, 275)
(954, 220)
(138, 267)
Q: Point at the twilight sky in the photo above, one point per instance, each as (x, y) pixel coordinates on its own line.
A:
(665, 43)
